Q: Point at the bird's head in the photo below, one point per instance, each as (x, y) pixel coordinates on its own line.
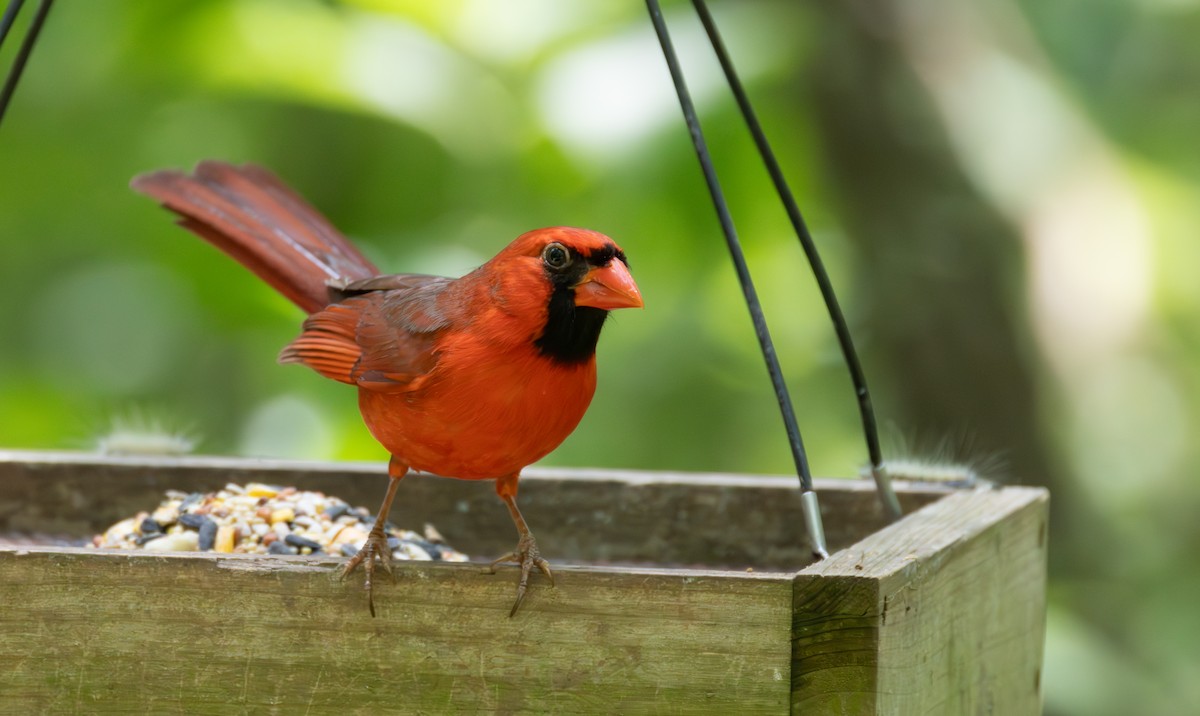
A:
(587, 265)
(577, 276)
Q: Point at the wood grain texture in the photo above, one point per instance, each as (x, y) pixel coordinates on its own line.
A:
(941, 613)
(87, 631)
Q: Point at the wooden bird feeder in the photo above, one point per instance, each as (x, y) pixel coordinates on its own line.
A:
(676, 593)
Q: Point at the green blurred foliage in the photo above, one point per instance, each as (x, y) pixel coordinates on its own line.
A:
(433, 133)
(136, 312)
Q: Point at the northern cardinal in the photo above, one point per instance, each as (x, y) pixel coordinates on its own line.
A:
(473, 378)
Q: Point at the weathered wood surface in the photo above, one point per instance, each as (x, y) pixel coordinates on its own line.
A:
(84, 631)
(593, 516)
(941, 613)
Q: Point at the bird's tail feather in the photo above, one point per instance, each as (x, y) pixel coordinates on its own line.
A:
(252, 216)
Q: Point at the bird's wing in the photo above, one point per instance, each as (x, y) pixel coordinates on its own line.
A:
(380, 337)
(386, 282)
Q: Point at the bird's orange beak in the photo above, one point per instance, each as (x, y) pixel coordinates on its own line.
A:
(608, 288)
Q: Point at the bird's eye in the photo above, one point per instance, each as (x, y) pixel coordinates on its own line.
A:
(555, 256)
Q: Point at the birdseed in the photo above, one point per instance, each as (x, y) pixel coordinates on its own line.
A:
(265, 519)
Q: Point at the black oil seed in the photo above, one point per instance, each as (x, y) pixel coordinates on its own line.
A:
(296, 540)
(208, 535)
(194, 521)
(337, 511)
(278, 547)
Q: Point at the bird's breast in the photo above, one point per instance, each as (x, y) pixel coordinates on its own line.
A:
(482, 412)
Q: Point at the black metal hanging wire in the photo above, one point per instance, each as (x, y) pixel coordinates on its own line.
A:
(811, 509)
(22, 56)
(883, 483)
(890, 503)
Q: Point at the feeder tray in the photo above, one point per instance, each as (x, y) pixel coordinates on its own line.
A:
(655, 607)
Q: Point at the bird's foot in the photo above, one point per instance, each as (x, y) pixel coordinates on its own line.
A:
(527, 556)
(374, 551)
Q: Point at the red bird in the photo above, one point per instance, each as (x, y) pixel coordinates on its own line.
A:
(473, 378)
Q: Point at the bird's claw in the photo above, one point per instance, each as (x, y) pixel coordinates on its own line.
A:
(526, 555)
(375, 551)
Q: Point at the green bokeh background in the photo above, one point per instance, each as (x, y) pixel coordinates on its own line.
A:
(1007, 194)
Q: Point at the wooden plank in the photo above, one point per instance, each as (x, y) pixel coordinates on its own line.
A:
(89, 631)
(941, 613)
(592, 516)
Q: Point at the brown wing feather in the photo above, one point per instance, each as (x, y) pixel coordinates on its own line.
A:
(341, 289)
(401, 331)
(382, 339)
(329, 342)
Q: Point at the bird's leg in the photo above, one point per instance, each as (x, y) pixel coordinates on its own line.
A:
(376, 547)
(526, 554)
